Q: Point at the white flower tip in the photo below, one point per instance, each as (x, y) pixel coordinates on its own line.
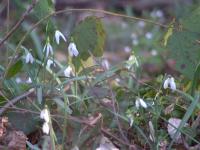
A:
(137, 104)
(45, 115)
(169, 82)
(29, 58)
(73, 50)
(45, 128)
(142, 103)
(68, 71)
(58, 34)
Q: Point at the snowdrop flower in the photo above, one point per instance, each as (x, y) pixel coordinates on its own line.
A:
(140, 102)
(154, 52)
(18, 80)
(169, 83)
(132, 60)
(127, 49)
(45, 128)
(48, 49)
(72, 50)
(105, 64)
(68, 71)
(141, 24)
(49, 63)
(29, 80)
(149, 35)
(59, 35)
(45, 115)
(135, 42)
(29, 58)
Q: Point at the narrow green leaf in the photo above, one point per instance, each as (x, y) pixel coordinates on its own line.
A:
(186, 117)
(14, 69)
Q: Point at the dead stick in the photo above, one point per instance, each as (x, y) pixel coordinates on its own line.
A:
(15, 100)
(25, 14)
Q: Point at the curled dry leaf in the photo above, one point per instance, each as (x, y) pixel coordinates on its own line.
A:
(106, 144)
(169, 109)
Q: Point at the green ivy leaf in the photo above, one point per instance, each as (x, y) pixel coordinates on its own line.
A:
(43, 8)
(184, 47)
(89, 36)
(14, 69)
(192, 21)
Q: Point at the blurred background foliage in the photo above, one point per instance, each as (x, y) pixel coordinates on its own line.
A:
(173, 50)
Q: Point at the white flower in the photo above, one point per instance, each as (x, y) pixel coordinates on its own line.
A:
(49, 63)
(127, 49)
(45, 115)
(48, 49)
(72, 50)
(141, 24)
(18, 80)
(105, 64)
(137, 103)
(135, 42)
(140, 102)
(45, 128)
(58, 34)
(68, 71)
(132, 60)
(169, 83)
(29, 80)
(149, 35)
(154, 52)
(29, 58)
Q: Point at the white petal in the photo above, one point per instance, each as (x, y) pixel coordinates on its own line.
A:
(105, 64)
(58, 34)
(142, 103)
(166, 83)
(49, 63)
(45, 115)
(172, 84)
(29, 80)
(49, 49)
(72, 50)
(68, 71)
(137, 103)
(29, 58)
(45, 128)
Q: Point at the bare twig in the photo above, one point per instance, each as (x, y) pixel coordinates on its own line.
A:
(23, 17)
(15, 100)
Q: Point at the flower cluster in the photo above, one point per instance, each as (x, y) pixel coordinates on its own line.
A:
(45, 116)
(48, 50)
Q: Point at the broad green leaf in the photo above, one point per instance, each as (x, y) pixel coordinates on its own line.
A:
(43, 8)
(89, 36)
(14, 69)
(185, 51)
(186, 117)
(184, 46)
(192, 22)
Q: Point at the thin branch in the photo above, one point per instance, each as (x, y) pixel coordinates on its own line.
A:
(16, 26)
(15, 100)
